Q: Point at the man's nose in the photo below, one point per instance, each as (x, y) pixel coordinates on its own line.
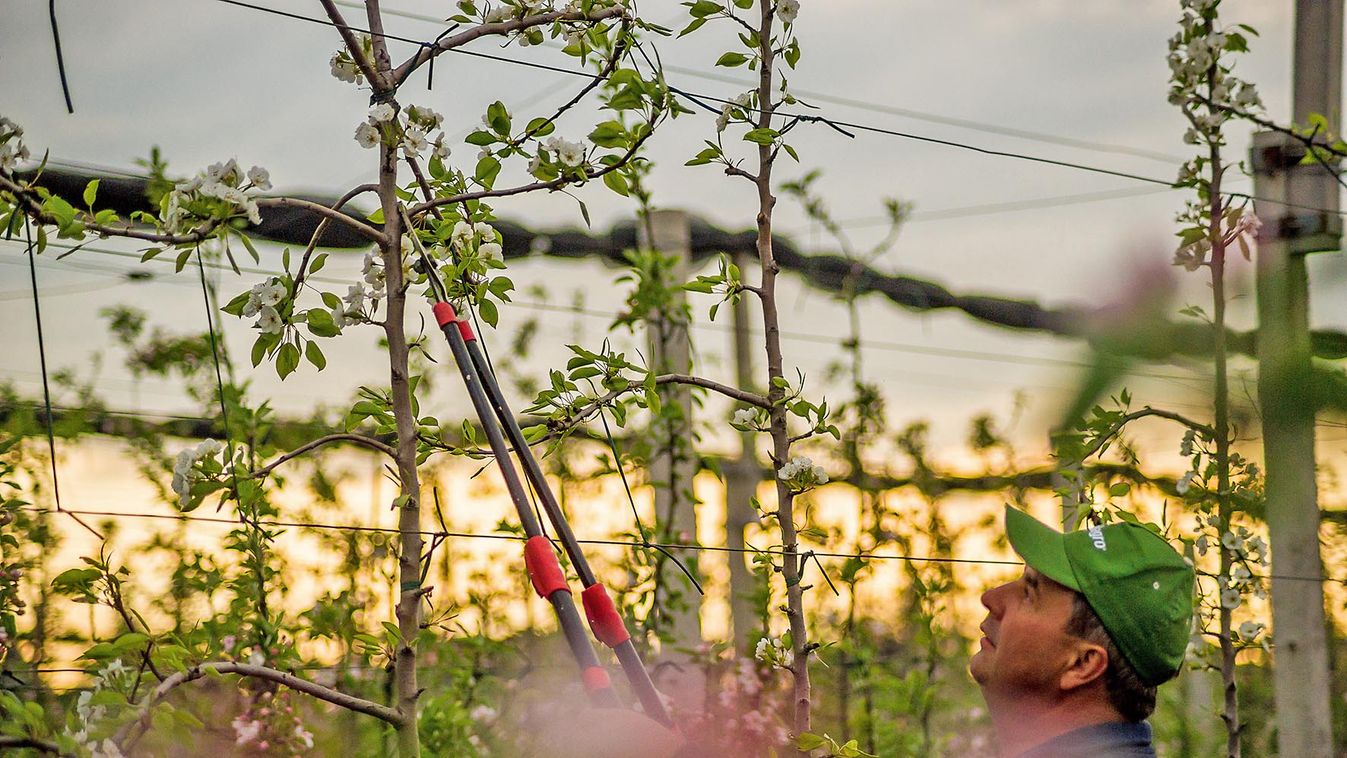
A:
(991, 599)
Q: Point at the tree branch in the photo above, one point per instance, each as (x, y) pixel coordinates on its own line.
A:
(353, 45)
(34, 209)
(501, 28)
(358, 439)
(361, 227)
(128, 734)
(322, 228)
(557, 183)
(1147, 411)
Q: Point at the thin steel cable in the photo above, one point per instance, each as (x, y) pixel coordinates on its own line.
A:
(46, 385)
(798, 117)
(219, 380)
(60, 58)
(447, 534)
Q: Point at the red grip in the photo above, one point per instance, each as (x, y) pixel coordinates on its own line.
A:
(444, 313)
(603, 616)
(595, 678)
(465, 329)
(543, 567)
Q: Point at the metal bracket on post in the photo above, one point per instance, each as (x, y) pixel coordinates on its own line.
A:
(1303, 210)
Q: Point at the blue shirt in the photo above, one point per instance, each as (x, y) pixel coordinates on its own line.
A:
(1111, 740)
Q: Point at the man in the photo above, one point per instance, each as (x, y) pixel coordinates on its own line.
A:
(1074, 649)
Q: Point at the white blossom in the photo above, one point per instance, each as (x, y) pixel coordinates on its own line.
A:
(381, 112)
(345, 69)
(227, 173)
(462, 232)
(787, 10)
(491, 251)
(773, 651)
(424, 117)
(1230, 598)
(268, 320)
(1250, 629)
(271, 294)
(414, 141)
(245, 730)
(1185, 483)
(366, 135)
(745, 418)
(802, 473)
(439, 149)
(260, 178)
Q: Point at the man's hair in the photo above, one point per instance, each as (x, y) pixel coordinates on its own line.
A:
(1133, 699)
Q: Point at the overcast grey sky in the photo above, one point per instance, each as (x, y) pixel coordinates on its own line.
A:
(206, 81)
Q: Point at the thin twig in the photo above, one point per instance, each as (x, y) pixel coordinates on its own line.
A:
(358, 439)
(1104, 439)
(128, 735)
(500, 28)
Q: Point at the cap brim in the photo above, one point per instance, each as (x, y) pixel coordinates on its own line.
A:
(1041, 547)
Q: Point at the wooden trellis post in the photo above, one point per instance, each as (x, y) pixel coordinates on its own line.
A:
(673, 463)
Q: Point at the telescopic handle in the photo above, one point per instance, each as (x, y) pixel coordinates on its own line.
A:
(604, 619)
(544, 570)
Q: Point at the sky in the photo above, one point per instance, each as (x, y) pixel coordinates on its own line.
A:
(206, 81)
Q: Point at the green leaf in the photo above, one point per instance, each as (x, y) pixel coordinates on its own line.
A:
(1119, 489)
(810, 741)
(732, 59)
(91, 193)
(58, 208)
(481, 138)
(487, 170)
(498, 117)
(705, 156)
(259, 350)
(247, 243)
(320, 323)
(616, 182)
(704, 8)
(692, 27)
(488, 312)
(541, 127)
(287, 360)
(235, 307)
(764, 136)
(315, 355)
(609, 134)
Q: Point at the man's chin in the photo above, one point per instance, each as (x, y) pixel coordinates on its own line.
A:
(977, 665)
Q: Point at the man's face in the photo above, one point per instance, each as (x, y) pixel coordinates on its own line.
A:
(1025, 647)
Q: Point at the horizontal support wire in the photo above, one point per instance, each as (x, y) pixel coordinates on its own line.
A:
(802, 117)
(601, 542)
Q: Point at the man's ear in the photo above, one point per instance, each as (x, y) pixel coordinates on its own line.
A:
(1088, 664)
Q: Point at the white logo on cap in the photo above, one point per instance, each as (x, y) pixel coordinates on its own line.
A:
(1097, 537)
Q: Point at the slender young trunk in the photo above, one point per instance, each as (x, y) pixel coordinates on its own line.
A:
(790, 560)
(405, 689)
(1230, 707)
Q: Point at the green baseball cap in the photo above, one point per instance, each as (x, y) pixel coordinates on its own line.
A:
(1138, 585)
